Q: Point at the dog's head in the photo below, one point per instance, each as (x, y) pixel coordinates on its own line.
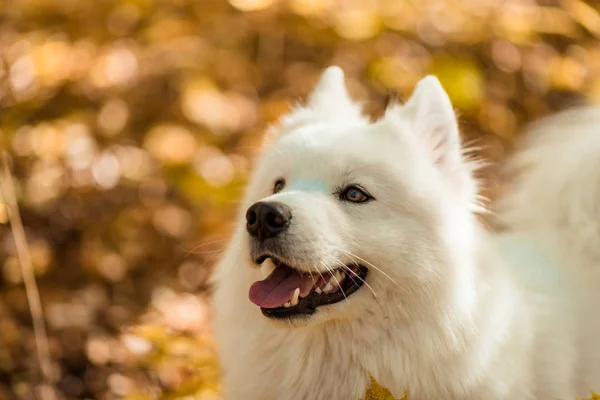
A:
(350, 216)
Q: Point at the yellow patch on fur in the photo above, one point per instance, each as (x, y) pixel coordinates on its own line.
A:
(378, 392)
(594, 397)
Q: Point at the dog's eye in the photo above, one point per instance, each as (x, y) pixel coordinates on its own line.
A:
(279, 185)
(354, 195)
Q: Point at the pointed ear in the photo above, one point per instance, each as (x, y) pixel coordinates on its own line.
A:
(432, 119)
(430, 110)
(330, 92)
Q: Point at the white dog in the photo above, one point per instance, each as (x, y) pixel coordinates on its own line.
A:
(358, 253)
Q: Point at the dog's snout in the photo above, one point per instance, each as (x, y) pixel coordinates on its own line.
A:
(267, 219)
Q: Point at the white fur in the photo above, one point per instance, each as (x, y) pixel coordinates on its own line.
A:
(449, 312)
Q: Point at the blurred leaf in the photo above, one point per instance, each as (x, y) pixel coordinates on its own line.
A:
(463, 80)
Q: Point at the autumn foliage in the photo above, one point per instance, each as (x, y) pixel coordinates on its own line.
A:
(130, 127)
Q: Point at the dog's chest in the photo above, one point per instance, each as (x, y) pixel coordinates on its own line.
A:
(308, 373)
(323, 367)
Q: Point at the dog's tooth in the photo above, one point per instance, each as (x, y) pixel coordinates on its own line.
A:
(287, 304)
(295, 298)
(318, 290)
(339, 275)
(328, 288)
(332, 280)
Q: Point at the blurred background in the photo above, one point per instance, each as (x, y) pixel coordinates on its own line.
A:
(130, 125)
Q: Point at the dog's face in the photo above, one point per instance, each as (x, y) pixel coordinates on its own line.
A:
(350, 216)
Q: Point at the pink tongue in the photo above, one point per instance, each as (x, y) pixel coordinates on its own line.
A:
(279, 286)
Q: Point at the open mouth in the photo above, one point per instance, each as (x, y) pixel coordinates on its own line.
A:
(287, 292)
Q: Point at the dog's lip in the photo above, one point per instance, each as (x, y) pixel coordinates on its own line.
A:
(308, 305)
(262, 257)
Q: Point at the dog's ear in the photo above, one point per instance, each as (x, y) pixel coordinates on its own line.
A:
(330, 94)
(329, 99)
(432, 116)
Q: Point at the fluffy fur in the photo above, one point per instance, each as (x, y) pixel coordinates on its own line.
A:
(450, 311)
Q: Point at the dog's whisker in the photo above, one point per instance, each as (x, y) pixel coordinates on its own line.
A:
(321, 275)
(208, 259)
(369, 264)
(192, 250)
(356, 275)
(337, 281)
(201, 253)
(346, 268)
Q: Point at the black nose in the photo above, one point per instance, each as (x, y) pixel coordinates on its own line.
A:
(267, 219)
